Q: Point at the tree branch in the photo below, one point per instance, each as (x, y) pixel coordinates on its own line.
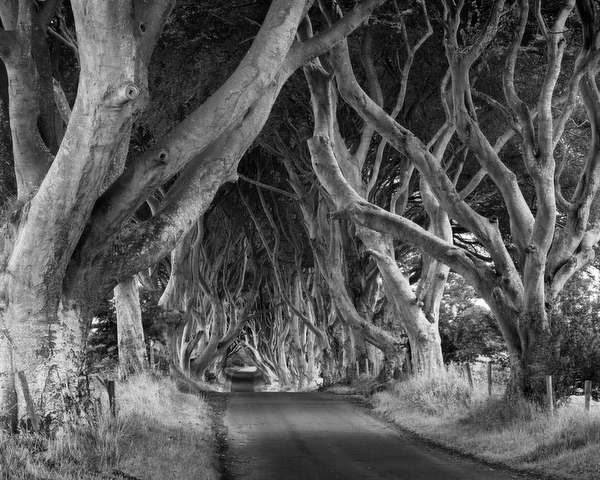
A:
(303, 52)
(405, 142)
(269, 187)
(248, 93)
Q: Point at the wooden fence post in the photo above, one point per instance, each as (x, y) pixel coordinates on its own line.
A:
(469, 376)
(357, 369)
(549, 394)
(588, 394)
(489, 378)
(110, 387)
(367, 366)
(151, 356)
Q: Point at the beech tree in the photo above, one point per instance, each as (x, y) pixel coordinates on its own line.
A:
(418, 312)
(215, 277)
(520, 289)
(315, 277)
(69, 240)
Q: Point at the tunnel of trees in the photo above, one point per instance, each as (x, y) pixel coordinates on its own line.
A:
(301, 186)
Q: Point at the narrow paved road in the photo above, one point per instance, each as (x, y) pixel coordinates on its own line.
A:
(312, 436)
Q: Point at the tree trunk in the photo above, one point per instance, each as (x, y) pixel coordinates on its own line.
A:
(44, 325)
(423, 336)
(8, 395)
(42, 372)
(130, 332)
(199, 364)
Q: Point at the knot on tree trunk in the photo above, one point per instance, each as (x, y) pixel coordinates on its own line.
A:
(123, 94)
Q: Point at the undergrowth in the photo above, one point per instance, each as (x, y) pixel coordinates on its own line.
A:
(517, 433)
(436, 395)
(158, 433)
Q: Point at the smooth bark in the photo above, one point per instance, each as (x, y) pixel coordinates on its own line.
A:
(130, 332)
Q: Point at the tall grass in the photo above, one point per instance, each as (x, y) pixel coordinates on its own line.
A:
(517, 433)
(168, 434)
(440, 394)
(80, 452)
(158, 433)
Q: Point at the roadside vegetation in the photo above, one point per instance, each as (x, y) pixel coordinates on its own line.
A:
(157, 433)
(519, 434)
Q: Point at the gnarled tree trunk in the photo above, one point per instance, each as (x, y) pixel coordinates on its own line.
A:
(43, 325)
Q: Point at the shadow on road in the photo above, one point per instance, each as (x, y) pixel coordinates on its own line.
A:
(242, 381)
(320, 436)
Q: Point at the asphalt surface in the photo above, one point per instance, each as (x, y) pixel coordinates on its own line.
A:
(289, 436)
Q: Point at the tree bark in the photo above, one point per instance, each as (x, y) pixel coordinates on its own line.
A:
(43, 325)
(130, 332)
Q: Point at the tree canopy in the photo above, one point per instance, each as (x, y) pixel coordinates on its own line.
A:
(295, 181)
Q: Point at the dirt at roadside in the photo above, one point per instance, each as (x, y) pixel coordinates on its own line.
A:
(218, 405)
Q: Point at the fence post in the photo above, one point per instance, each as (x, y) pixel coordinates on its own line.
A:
(469, 376)
(549, 394)
(357, 369)
(367, 366)
(110, 388)
(489, 378)
(151, 356)
(588, 394)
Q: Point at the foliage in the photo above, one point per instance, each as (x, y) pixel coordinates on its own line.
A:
(202, 42)
(468, 329)
(572, 347)
(154, 318)
(102, 350)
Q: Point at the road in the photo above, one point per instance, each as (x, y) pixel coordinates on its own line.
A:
(312, 436)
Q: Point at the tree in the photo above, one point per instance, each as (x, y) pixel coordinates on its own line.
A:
(71, 241)
(574, 340)
(521, 288)
(342, 173)
(215, 278)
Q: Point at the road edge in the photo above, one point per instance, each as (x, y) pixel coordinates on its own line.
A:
(368, 407)
(218, 405)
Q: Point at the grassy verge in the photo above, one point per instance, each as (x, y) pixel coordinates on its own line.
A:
(519, 435)
(158, 433)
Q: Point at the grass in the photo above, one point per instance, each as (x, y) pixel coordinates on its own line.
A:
(362, 385)
(158, 433)
(517, 434)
